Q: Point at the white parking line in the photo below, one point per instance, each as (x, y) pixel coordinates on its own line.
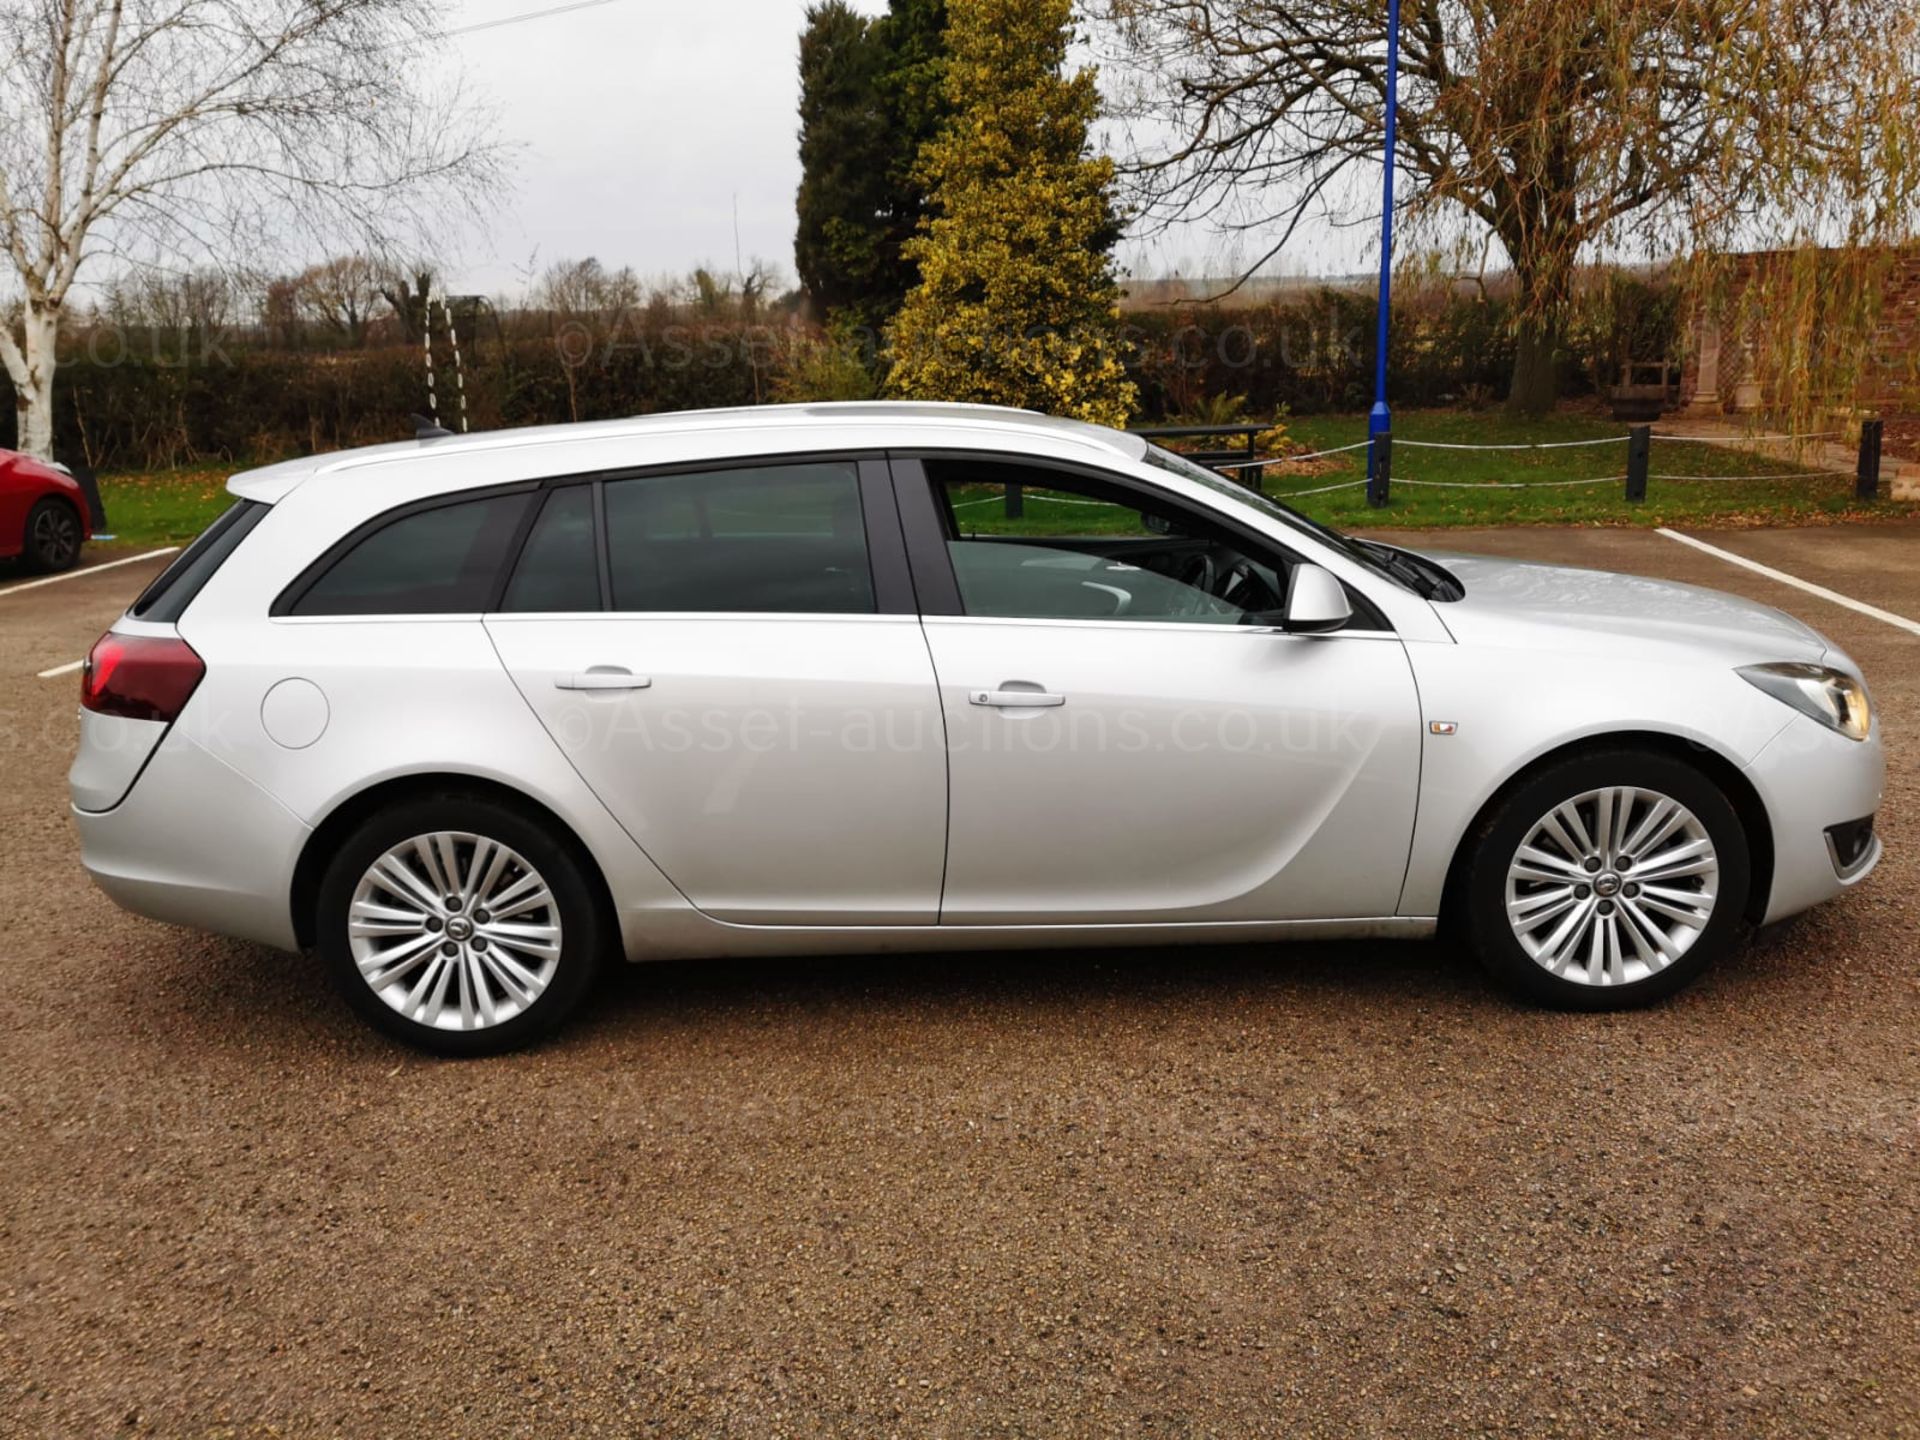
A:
(66, 669)
(1900, 622)
(88, 570)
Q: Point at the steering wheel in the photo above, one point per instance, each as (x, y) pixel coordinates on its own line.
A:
(1239, 578)
(1198, 573)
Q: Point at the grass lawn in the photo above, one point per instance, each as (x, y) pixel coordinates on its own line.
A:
(164, 507)
(168, 507)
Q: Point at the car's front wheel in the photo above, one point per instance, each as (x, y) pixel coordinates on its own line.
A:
(52, 541)
(1607, 880)
(459, 924)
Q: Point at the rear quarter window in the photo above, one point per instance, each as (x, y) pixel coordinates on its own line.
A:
(167, 598)
(446, 560)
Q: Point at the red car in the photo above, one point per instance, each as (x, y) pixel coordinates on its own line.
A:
(44, 518)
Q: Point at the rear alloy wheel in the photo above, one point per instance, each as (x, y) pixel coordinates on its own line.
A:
(459, 925)
(1608, 881)
(52, 538)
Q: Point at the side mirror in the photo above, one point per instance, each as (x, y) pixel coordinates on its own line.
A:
(1316, 602)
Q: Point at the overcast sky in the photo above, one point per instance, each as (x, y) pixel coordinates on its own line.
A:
(643, 124)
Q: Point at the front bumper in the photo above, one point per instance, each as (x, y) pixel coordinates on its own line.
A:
(1812, 781)
(197, 843)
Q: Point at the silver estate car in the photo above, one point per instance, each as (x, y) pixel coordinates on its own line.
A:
(470, 715)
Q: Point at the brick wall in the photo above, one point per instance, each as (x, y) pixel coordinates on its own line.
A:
(1889, 379)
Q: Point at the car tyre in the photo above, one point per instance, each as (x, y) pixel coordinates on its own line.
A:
(1524, 895)
(52, 539)
(472, 982)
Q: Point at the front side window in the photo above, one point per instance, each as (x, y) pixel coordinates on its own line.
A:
(442, 561)
(1031, 542)
(771, 538)
(1409, 571)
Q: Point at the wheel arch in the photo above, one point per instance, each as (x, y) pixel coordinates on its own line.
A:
(326, 837)
(1739, 790)
(59, 497)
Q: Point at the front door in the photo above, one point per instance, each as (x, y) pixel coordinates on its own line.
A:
(1126, 744)
(754, 702)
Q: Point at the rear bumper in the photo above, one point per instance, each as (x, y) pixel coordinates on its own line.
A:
(1812, 780)
(197, 843)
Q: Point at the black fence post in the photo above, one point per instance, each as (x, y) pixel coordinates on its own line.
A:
(1866, 481)
(89, 484)
(1016, 501)
(1380, 476)
(1639, 449)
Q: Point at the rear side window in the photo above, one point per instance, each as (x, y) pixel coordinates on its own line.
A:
(777, 538)
(443, 561)
(559, 568)
(167, 598)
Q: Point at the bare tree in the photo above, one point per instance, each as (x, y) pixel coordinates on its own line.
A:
(142, 128)
(586, 292)
(713, 292)
(410, 295)
(1562, 128)
(172, 302)
(341, 294)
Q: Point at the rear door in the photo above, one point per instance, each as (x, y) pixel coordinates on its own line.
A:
(1130, 738)
(731, 659)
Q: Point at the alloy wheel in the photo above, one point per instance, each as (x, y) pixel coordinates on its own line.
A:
(455, 931)
(56, 537)
(1612, 886)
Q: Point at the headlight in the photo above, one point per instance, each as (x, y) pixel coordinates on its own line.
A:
(1832, 697)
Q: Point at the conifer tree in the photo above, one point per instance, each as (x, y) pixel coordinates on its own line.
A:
(1016, 303)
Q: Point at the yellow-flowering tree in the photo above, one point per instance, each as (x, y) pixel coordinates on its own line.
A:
(1017, 300)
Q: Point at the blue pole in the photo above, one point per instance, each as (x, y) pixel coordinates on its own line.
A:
(1380, 419)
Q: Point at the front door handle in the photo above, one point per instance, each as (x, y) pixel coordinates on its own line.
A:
(1016, 699)
(602, 677)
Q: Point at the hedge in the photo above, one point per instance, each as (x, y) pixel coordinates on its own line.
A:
(136, 402)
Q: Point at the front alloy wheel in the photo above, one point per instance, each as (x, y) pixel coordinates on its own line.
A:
(1605, 880)
(1612, 886)
(53, 537)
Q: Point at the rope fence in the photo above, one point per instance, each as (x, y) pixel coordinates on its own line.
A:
(1740, 442)
(1639, 441)
(1526, 445)
(1508, 484)
(1319, 490)
(1788, 475)
(1291, 459)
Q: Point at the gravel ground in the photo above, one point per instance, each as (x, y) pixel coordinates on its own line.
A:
(1334, 1190)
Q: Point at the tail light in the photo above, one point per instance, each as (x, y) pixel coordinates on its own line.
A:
(143, 677)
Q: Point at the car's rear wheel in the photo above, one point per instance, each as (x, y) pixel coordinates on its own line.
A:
(52, 540)
(1607, 880)
(459, 924)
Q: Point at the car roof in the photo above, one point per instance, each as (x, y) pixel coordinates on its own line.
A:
(858, 424)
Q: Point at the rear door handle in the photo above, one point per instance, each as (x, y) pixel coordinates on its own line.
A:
(602, 678)
(1016, 699)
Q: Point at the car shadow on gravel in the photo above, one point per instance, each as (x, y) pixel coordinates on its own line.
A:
(1332, 973)
(201, 991)
(228, 995)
